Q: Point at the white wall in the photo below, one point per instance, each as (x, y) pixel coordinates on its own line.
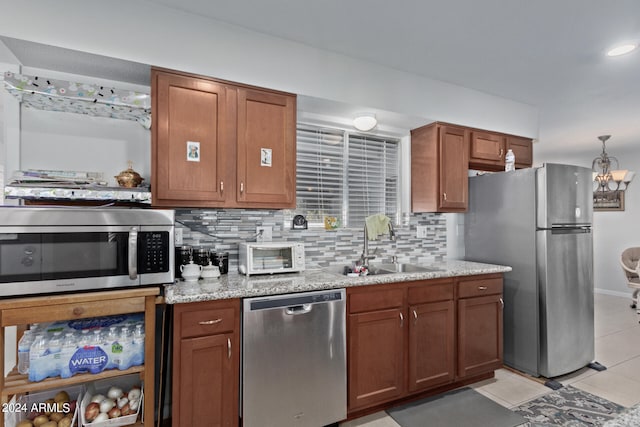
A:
(613, 231)
(159, 36)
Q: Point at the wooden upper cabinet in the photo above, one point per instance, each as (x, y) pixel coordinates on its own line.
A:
(218, 144)
(266, 161)
(453, 170)
(523, 150)
(486, 149)
(439, 165)
(190, 145)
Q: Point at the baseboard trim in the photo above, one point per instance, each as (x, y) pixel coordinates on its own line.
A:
(612, 293)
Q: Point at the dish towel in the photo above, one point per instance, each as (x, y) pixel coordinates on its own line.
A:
(377, 225)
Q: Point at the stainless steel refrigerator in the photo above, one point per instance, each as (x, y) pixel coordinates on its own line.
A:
(538, 221)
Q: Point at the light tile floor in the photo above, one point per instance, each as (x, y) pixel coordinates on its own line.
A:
(617, 343)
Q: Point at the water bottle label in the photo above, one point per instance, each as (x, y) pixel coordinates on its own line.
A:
(89, 358)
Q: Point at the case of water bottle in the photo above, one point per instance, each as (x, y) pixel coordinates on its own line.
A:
(67, 348)
(21, 406)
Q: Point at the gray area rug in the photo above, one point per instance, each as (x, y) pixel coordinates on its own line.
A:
(462, 407)
(570, 407)
(628, 418)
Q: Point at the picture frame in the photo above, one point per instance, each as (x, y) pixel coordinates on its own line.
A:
(608, 201)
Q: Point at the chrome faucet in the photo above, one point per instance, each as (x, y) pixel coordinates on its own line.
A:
(366, 256)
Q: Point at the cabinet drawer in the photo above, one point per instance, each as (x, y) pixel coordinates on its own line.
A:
(80, 310)
(210, 321)
(371, 300)
(479, 287)
(430, 292)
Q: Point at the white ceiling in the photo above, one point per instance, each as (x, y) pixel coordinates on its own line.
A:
(546, 53)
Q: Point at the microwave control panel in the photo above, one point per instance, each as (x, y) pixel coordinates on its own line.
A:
(153, 251)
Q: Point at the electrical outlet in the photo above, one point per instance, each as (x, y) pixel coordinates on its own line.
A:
(421, 232)
(266, 236)
(177, 236)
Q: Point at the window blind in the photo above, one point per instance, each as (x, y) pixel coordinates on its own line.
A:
(373, 178)
(320, 172)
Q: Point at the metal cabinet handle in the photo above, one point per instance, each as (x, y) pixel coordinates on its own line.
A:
(501, 152)
(502, 302)
(482, 288)
(444, 195)
(415, 317)
(210, 322)
(221, 186)
(241, 187)
(401, 320)
(229, 348)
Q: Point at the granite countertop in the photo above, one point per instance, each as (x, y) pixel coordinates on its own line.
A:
(233, 285)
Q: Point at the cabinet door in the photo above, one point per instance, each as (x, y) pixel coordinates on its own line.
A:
(266, 164)
(376, 355)
(431, 345)
(189, 141)
(523, 150)
(207, 380)
(454, 162)
(479, 335)
(486, 149)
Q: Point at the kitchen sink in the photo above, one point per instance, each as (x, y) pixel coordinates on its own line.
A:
(399, 268)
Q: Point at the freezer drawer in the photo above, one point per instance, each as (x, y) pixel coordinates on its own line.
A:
(294, 370)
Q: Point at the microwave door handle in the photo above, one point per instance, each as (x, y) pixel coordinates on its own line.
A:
(133, 253)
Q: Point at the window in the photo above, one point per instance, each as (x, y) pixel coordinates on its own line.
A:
(347, 176)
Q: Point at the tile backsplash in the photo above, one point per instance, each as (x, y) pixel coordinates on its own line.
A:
(223, 229)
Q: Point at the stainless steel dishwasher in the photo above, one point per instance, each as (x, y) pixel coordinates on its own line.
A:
(294, 370)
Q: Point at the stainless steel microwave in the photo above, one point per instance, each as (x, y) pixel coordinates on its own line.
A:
(270, 257)
(58, 249)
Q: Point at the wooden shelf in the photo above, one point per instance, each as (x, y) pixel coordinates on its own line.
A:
(22, 311)
(16, 383)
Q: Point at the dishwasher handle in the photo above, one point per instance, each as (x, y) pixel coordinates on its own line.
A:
(298, 309)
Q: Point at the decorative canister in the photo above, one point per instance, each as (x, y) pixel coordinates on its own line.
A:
(129, 178)
(221, 259)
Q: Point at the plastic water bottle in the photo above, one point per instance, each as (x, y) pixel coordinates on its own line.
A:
(137, 351)
(38, 358)
(69, 347)
(126, 342)
(112, 347)
(24, 346)
(55, 347)
(510, 161)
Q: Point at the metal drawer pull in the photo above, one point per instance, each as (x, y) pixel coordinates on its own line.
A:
(401, 320)
(445, 196)
(415, 317)
(229, 348)
(221, 186)
(502, 302)
(210, 322)
(501, 152)
(241, 187)
(482, 288)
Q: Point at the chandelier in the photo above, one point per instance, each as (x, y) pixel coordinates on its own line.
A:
(608, 181)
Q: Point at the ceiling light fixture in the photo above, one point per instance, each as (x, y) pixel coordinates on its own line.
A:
(365, 122)
(608, 183)
(622, 49)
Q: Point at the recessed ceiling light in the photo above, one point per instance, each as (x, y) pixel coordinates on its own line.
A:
(622, 49)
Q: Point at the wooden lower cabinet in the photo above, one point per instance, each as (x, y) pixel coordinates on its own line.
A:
(412, 338)
(376, 357)
(206, 364)
(479, 326)
(431, 345)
